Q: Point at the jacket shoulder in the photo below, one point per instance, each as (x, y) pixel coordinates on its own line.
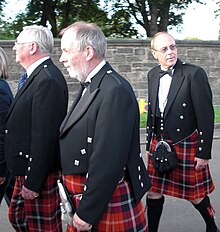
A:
(154, 69)
(190, 66)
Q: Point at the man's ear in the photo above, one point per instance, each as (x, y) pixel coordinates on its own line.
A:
(154, 54)
(89, 53)
(33, 48)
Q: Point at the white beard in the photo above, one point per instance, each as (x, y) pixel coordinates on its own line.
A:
(74, 74)
(79, 75)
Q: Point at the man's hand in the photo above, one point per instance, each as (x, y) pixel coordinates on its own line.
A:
(147, 156)
(28, 194)
(80, 224)
(2, 180)
(201, 163)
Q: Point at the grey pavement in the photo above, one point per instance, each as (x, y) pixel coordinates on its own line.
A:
(178, 215)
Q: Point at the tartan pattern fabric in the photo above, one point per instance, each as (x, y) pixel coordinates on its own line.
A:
(122, 214)
(184, 181)
(41, 214)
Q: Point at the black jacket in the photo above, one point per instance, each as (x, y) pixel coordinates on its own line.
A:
(189, 106)
(5, 102)
(100, 136)
(32, 126)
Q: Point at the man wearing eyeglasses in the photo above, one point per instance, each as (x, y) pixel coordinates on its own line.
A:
(180, 115)
(32, 132)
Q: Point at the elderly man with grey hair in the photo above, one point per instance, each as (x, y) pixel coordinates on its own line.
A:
(102, 166)
(32, 132)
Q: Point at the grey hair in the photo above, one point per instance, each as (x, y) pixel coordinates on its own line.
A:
(42, 36)
(3, 64)
(88, 34)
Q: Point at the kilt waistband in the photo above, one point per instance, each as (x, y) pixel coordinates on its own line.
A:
(76, 182)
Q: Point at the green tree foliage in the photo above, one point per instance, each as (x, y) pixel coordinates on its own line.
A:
(2, 4)
(117, 18)
(5, 26)
(154, 15)
(61, 13)
(39, 12)
(10, 30)
(118, 25)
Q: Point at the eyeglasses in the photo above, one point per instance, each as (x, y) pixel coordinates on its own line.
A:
(165, 49)
(19, 43)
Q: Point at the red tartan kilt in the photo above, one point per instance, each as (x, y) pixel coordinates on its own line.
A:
(129, 216)
(184, 181)
(40, 214)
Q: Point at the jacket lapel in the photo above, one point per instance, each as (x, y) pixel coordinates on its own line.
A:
(176, 83)
(154, 90)
(71, 109)
(28, 82)
(80, 106)
(78, 110)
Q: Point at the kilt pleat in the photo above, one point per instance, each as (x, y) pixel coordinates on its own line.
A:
(184, 181)
(122, 214)
(40, 214)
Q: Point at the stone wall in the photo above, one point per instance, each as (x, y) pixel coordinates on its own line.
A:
(132, 58)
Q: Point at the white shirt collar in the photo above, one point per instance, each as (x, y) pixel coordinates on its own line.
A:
(35, 65)
(95, 71)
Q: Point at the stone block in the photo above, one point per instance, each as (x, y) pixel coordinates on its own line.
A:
(132, 58)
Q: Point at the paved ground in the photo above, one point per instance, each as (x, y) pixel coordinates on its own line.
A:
(178, 215)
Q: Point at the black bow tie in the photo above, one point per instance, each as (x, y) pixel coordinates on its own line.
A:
(85, 84)
(162, 72)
